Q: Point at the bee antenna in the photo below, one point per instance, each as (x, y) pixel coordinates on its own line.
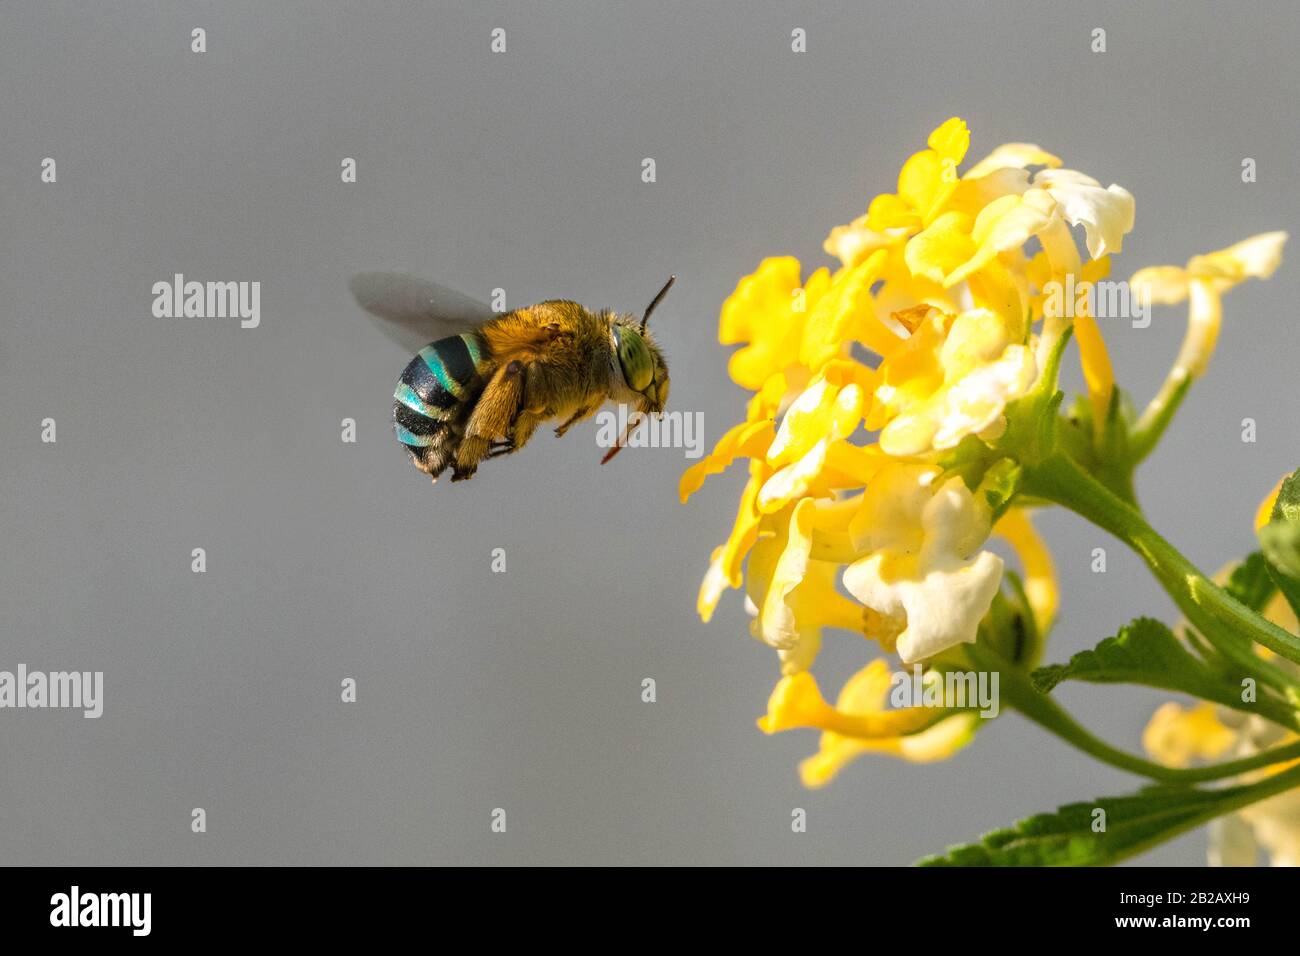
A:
(657, 299)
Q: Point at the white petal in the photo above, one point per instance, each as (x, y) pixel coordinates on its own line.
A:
(1105, 214)
(943, 608)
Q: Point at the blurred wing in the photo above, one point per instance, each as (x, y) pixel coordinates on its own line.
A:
(415, 312)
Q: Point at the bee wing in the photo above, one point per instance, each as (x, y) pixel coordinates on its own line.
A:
(413, 311)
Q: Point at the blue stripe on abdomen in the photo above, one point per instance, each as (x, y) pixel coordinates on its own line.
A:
(427, 376)
(414, 441)
(435, 385)
(406, 395)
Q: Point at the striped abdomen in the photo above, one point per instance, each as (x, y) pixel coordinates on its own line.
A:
(440, 383)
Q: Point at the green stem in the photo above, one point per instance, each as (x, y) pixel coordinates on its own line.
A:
(1211, 609)
(1021, 695)
(1157, 416)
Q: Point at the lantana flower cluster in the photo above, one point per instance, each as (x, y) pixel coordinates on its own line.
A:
(882, 441)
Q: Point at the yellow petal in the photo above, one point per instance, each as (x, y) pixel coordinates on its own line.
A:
(748, 439)
(792, 481)
(766, 314)
(859, 723)
(1013, 156)
(855, 241)
(777, 619)
(1095, 360)
(1162, 285)
(951, 139)
(1254, 258)
(888, 213)
(797, 702)
(767, 289)
(1036, 561)
(833, 321)
(941, 247)
(1265, 512)
(711, 588)
(1176, 736)
(803, 424)
(745, 531)
(934, 743)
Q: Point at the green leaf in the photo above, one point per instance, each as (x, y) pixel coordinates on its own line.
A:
(1280, 541)
(1128, 825)
(1251, 583)
(1144, 652)
(1287, 506)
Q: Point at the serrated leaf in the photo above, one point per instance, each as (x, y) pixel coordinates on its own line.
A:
(1068, 838)
(1287, 506)
(1146, 652)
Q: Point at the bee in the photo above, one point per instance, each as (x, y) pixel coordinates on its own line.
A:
(484, 383)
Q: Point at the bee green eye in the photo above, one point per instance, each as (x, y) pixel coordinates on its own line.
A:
(634, 358)
(661, 393)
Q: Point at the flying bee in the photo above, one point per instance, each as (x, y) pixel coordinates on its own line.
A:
(487, 380)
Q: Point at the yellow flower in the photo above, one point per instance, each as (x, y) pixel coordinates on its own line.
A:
(767, 312)
(929, 185)
(726, 562)
(956, 245)
(750, 439)
(924, 573)
(824, 414)
(846, 312)
(860, 723)
(794, 594)
(935, 280)
(1204, 280)
(953, 377)
(1176, 735)
(926, 181)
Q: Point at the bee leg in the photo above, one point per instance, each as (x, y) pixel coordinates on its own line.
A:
(523, 429)
(490, 420)
(576, 417)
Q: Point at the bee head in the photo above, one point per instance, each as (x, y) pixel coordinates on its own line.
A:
(642, 363)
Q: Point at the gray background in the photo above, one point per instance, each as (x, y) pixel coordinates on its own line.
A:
(327, 560)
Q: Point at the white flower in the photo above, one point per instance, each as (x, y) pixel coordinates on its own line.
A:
(1106, 214)
(925, 576)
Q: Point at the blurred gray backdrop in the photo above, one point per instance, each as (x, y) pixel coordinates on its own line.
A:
(522, 170)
